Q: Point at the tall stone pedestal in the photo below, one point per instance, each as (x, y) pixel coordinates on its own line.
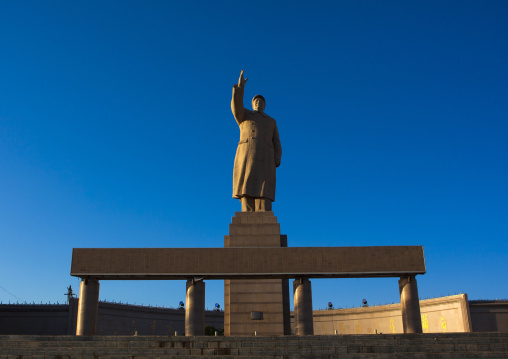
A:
(256, 306)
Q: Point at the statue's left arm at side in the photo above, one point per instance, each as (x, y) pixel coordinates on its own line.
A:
(277, 149)
(237, 100)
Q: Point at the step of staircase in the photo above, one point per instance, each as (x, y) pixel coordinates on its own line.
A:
(383, 346)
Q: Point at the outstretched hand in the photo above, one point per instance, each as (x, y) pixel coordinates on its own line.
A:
(241, 80)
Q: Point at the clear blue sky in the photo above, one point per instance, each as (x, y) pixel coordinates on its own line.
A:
(116, 131)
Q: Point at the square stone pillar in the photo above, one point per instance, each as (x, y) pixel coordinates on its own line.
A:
(258, 305)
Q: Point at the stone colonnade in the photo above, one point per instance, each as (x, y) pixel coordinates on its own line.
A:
(195, 306)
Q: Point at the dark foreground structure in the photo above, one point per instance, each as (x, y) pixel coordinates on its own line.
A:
(408, 346)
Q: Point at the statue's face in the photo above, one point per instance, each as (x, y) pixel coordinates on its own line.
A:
(258, 104)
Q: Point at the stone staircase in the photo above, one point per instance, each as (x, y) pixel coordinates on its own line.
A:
(383, 346)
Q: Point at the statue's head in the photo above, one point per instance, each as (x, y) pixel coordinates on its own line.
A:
(258, 103)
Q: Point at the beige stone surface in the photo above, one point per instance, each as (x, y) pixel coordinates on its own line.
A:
(302, 290)
(88, 307)
(259, 150)
(268, 296)
(439, 315)
(410, 305)
(195, 308)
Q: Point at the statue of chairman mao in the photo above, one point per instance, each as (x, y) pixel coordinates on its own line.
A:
(258, 152)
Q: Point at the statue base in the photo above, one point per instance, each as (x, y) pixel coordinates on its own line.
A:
(260, 306)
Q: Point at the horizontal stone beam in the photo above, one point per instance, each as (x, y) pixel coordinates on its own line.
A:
(241, 263)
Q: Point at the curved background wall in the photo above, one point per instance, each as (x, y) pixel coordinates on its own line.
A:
(439, 315)
(444, 314)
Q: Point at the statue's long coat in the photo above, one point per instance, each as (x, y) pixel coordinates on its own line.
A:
(258, 152)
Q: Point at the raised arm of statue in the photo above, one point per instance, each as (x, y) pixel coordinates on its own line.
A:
(237, 100)
(241, 80)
